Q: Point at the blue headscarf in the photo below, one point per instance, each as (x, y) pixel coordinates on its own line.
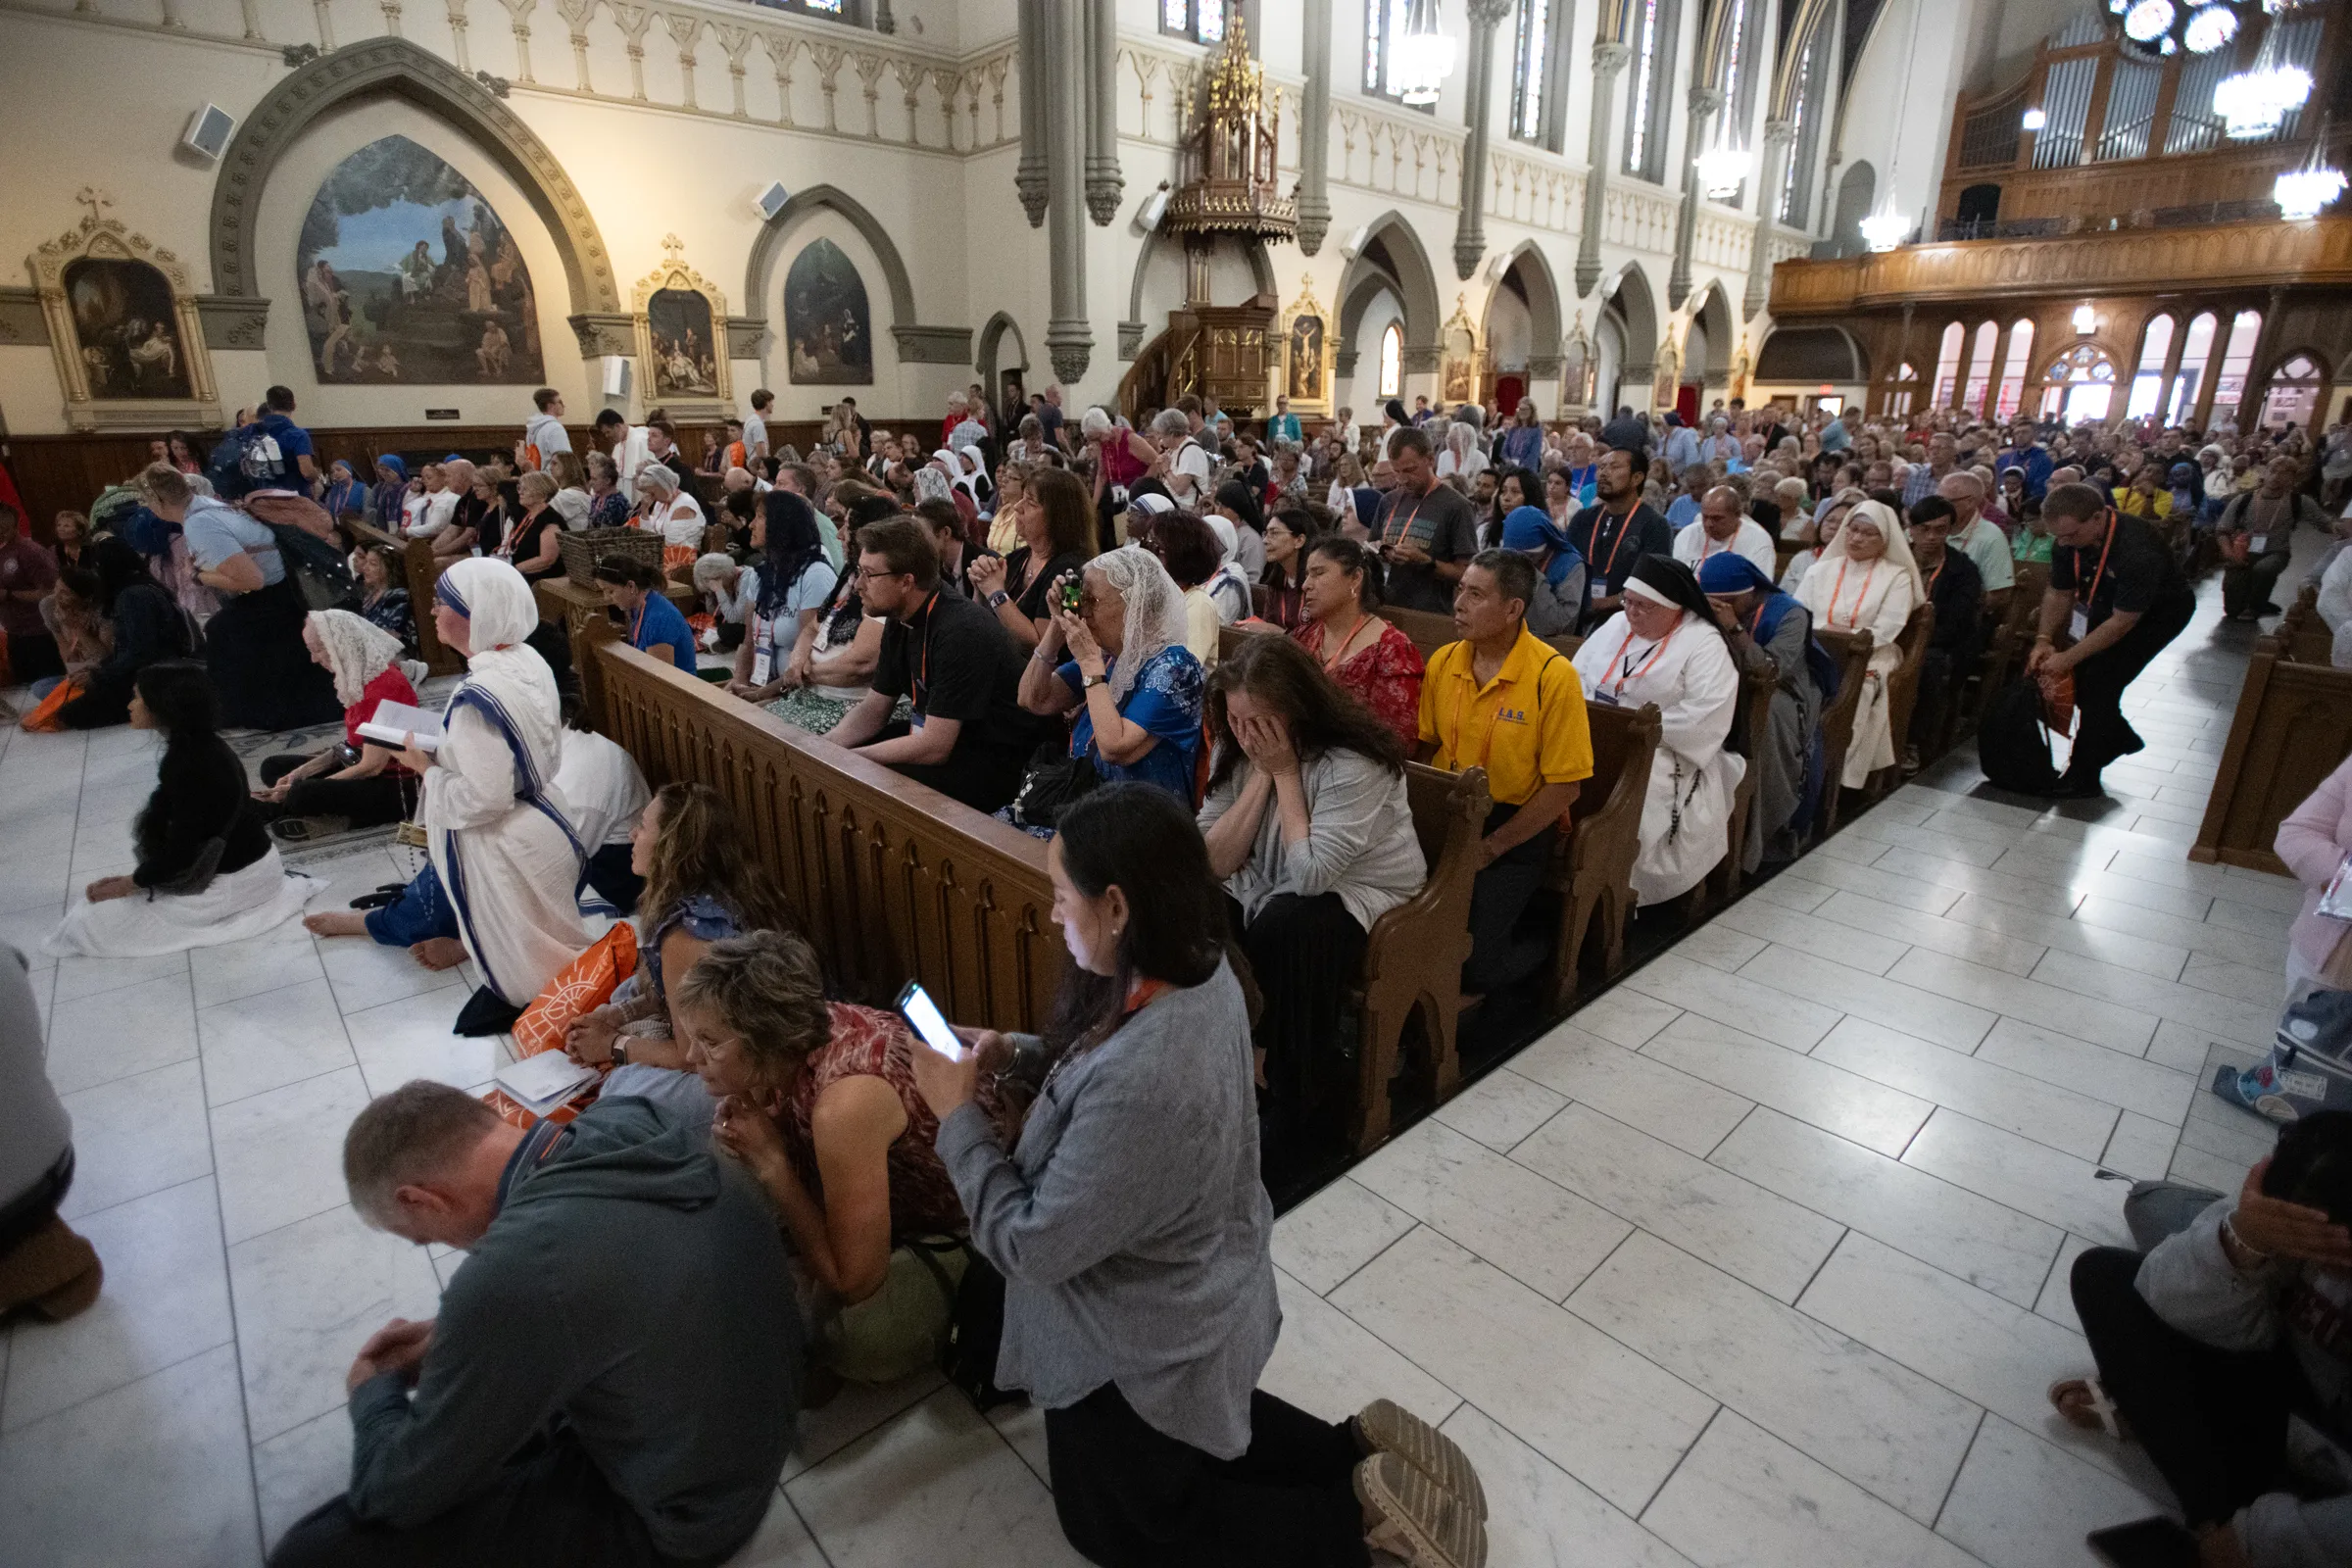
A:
(1530, 528)
(1730, 573)
(398, 465)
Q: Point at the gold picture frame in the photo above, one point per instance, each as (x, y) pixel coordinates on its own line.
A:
(123, 328)
(1459, 369)
(682, 339)
(1309, 353)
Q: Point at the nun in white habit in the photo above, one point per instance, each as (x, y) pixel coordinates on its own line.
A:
(1664, 646)
(1866, 580)
(498, 826)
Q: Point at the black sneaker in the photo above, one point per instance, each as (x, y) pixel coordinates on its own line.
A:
(486, 1013)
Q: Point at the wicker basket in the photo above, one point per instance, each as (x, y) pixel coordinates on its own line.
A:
(583, 550)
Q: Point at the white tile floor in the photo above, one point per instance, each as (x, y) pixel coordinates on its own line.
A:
(1758, 1259)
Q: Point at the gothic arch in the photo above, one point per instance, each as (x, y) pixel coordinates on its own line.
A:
(395, 68)
(1413, 280)
(1261, 270)
(928, 345)
(1543, 305)
(1637, 303)
(1715, 319)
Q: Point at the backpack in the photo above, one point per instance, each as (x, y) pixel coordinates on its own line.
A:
(2012, 746)
(317, 566)
(248, 459)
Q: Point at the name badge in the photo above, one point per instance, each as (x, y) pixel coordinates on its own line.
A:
(1600, 589)
(2257, 542)
(1597, 695)
(2078, 627)
(761, 668)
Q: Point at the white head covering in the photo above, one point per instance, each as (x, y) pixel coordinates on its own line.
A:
(357, 651)
(1155, 619)
(933, 484)
(1228, 541)
(1898, 547)
(504, 674)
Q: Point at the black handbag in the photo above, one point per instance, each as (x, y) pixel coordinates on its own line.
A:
(975, 1330)
(1052, 781)
(2012, 746)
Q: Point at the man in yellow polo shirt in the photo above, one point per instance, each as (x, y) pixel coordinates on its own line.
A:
(1504, 699)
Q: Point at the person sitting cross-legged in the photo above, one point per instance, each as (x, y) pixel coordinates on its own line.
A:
(615, 1373)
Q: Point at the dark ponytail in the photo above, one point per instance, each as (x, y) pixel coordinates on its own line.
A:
(1354, 558)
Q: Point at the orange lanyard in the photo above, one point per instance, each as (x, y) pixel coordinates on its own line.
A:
(1860, 593)
(637, 621)
(1146, 993)
(1930, 583)
(1389, 536)
(2080, 597)
(1626, 670)
(922, 679)
(1626, 526)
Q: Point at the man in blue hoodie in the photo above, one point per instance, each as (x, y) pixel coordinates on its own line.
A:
(615, 1370)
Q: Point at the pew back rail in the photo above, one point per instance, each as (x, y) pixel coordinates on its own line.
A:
(2292, 728)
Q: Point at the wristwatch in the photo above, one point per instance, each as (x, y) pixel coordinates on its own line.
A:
(1096, 680)
(620, 1053)
(997, 600)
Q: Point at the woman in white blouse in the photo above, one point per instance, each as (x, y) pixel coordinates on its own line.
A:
(1866, 581)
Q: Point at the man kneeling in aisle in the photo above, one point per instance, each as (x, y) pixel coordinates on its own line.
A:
(614, 1372)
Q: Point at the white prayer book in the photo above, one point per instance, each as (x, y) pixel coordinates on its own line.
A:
(541, 1083)
(393, 722)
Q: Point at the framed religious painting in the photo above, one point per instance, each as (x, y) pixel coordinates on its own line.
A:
(682, 338)
(1308, 354)
(123, 327)
(828, 326)
(1457, 357)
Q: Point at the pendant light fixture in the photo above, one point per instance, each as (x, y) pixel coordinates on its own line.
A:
(2302, 192)
(1424, 54)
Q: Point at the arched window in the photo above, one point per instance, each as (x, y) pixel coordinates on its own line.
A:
(1201, 20)
(1947, 365)
(1899, 393)
(2014, 367)
(1979, 367)
(1392, 360)
(2294, 393)
(1649, 95)
(2147, 383)
(1805, 115)
(2195, 349)
(2079, 385)
(1538, 68)
(2237, 358)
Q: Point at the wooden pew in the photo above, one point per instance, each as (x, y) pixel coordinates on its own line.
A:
(1753, 726)
(1429, 630)
(2302, 632)
(420, 573)
(1902, 692)
(892, 880)
(1592, 869)
(1852, 650)
(2292, 728)
(1415, 956)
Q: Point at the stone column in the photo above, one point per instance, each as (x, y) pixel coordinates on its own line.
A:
(1314, 126)
(1029, 178)
(1608, 58)
(1779, 134)
(1705, 103)
(1100, 25)
(1470, 232)
(1069, 339)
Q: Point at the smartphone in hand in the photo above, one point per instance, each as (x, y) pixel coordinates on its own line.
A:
(923, 1016)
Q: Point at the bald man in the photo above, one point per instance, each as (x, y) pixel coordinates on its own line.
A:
(1724, 525)
(1975, 536)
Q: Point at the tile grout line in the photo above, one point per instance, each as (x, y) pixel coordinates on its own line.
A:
(1982, 1416)
(1652, 1500)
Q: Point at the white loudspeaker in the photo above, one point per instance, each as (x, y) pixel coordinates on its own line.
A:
(1356, 242)
(208, 132)
(617, 377)
(1498, 265)
(1155, 207)
(771, 201)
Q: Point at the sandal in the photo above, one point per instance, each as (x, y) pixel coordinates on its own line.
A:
(1387, 1426)
(1418, 1520)
(2093, 1412)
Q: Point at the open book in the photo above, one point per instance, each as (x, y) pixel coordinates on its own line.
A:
(542, 1081)
(393, 722)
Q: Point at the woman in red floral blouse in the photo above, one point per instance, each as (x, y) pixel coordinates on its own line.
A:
(1361, 650)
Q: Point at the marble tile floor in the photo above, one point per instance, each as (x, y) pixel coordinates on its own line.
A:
(1760, 1258)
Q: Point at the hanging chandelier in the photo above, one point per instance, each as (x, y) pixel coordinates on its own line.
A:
(1423, 54)
(2304, 191)
(1721, 169)
(2254, 104)
(1886, 230)
(2199, 27)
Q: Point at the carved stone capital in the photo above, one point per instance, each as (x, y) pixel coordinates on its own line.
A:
(1314, 221)
(1070, 357)
(745, 334)
(1779, 132)
(1545, 367)
(604, 332)
(1029, 182)
(1131, 338)
(1344, 365)
(1469, 248)
(1102, 192)
(1705, 100)
(232, 321)
(1421, 361)
(1488, 14)
(933, 345)
(1609, 57)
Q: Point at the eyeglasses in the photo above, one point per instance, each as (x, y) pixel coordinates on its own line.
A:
(866, 574)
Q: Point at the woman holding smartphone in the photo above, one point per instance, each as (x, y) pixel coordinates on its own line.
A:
(1133, 1232)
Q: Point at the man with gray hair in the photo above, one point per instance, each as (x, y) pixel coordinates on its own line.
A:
(1185, 461)
(615, 1368)
(1977, 537)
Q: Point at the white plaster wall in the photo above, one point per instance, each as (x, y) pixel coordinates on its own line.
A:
(1362, 390)
(1898, 113)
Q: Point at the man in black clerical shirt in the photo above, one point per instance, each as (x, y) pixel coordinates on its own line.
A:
(2117, 591)
(1957, 591)
(1617, 531)
(951, 656)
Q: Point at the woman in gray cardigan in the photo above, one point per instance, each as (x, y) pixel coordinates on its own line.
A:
(1132, 1231)
(1309, 825)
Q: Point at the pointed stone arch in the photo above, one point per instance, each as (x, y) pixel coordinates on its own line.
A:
(1407, 274)
(1717, 321)
(1542, 292)
(394, 68)
(916, 343)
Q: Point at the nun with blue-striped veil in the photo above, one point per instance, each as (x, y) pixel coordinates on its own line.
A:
(497, 825)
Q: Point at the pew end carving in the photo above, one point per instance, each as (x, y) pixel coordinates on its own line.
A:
(1592, 869)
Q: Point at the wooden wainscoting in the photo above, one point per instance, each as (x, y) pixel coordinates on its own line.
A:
(892, 880)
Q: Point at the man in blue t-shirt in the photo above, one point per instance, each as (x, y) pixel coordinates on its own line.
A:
(276, 420)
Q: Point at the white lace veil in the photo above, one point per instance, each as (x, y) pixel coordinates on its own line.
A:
(1155, 612)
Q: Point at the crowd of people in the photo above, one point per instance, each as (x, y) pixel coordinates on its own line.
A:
(1159, 645)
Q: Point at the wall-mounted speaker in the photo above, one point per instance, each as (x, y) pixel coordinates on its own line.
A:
(617, 377)
(1154, 209)
(208, 132)
(773, 200)
(1356, 242)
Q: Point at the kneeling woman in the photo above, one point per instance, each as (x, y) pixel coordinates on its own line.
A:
(1310, 829)
(207, 873)
(358, 780)
(1766, 628)
(502, 845)
(818, 1101)
(1665, 646)
(1134, 1234)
